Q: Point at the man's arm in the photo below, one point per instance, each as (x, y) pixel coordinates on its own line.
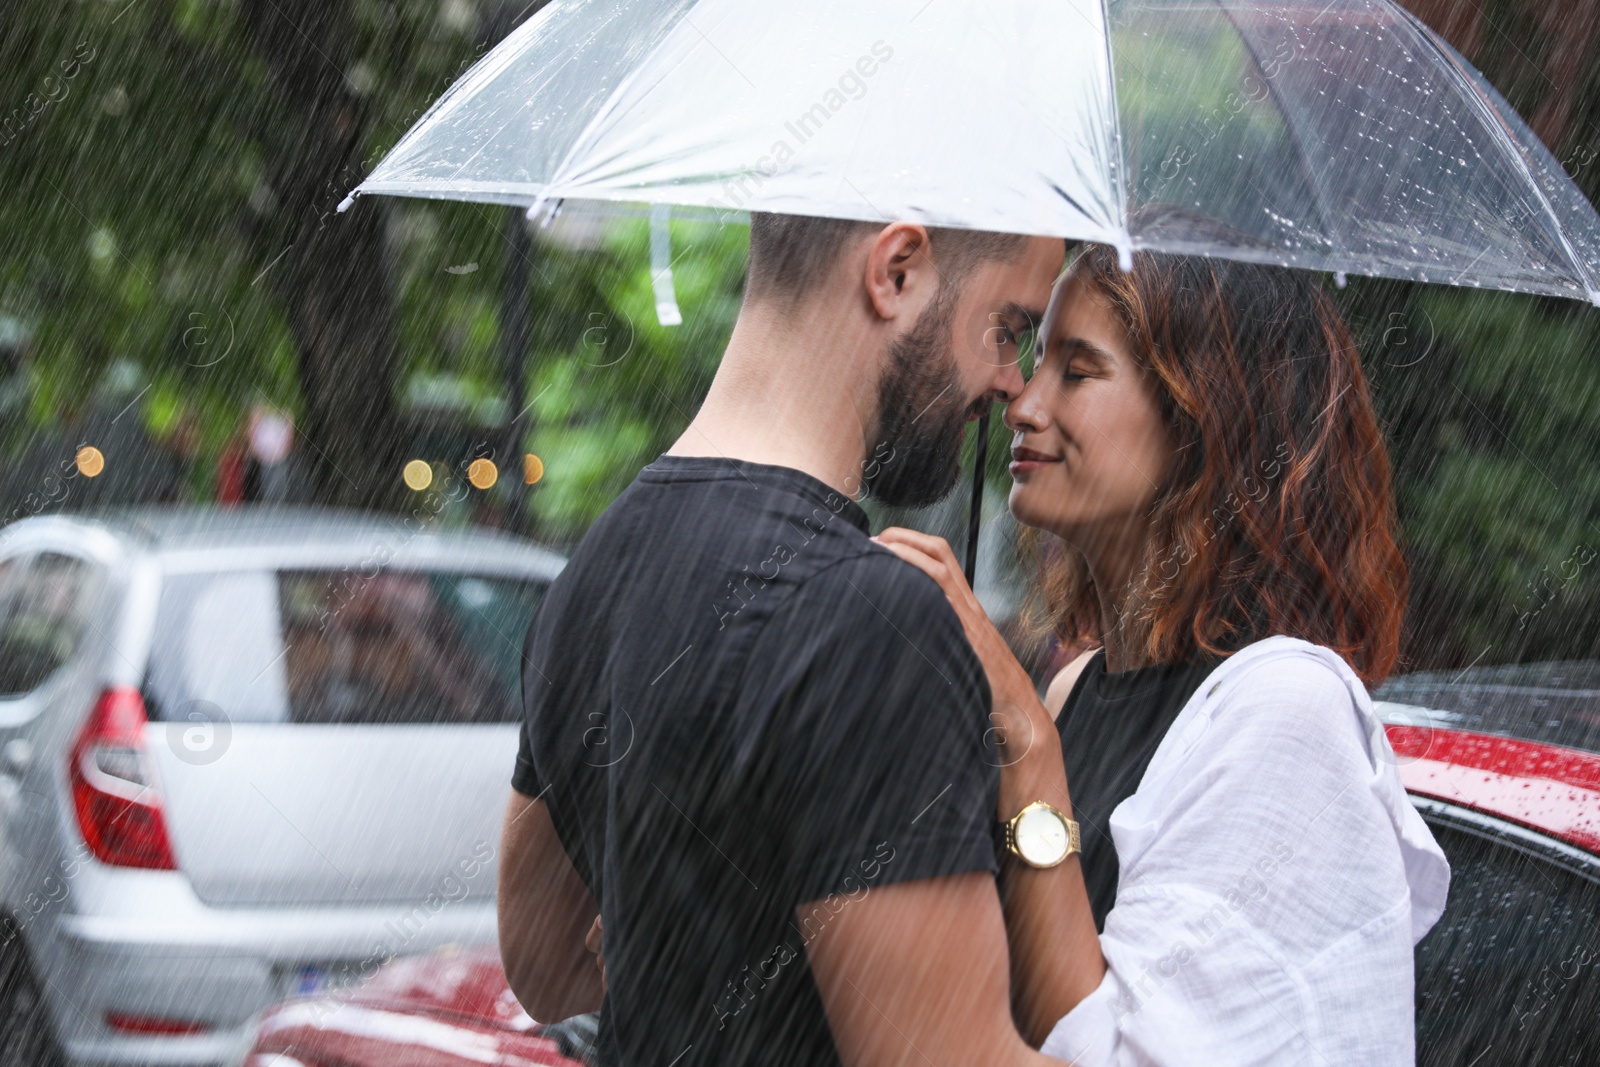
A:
(915, 974)
(545, 911)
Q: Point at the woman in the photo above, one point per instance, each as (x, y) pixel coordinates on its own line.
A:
(1199, 436)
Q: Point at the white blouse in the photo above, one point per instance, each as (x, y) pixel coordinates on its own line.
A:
(1274, 878)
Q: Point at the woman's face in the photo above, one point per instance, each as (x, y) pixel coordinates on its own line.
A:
(1091, 448)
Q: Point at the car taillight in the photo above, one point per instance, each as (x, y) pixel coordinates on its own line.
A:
(118, 808)
(128, 1023)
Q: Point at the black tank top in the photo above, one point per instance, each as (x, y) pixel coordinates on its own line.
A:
(1110, 727)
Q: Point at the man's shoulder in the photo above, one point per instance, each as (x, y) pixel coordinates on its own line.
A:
(872, 617)
(875, 585)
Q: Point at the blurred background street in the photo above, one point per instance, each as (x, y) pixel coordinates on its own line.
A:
(205, 371)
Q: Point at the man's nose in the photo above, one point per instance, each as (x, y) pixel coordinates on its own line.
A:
(1007, 384)
(1025, 413)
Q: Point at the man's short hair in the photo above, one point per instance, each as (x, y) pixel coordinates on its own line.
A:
(790, 255)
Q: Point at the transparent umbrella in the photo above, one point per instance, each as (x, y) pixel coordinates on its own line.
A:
(1344, 134)
(1335, 135)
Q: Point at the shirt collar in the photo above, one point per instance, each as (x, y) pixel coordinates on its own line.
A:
(667, 468)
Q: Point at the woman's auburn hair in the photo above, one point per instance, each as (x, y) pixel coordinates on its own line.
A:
(1277, 515)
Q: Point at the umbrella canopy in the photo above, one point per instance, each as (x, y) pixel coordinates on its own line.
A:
(1337, 135)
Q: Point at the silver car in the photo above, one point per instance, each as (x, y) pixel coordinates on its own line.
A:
(244, 753)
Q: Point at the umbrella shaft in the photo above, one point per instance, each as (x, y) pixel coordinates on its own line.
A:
(975, 511)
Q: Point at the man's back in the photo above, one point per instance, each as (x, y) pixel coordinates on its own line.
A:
(737, 704)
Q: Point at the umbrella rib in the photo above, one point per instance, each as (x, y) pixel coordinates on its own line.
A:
(481, 72)
(1318, 193)
(1119, 184)
(1069, 198)
(605, 111)
(1497, 127)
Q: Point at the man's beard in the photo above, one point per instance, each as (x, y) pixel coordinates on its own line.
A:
(922, 415)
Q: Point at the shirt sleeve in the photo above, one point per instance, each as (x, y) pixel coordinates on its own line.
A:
(1264, 914)
(524, 777)
(883, 766)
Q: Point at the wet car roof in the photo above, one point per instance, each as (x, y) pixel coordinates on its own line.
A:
(196, 526)
(1548, 788)
(1556, 702)
(185, 530)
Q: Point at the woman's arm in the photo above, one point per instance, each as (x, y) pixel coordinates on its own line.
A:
(1055, 953)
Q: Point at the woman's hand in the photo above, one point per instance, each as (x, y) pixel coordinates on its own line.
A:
(1025, 732)
(1055, 952)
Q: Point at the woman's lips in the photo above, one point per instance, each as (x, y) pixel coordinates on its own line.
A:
(1024, 460)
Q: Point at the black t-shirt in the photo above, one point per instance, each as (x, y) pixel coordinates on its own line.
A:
(736, 703)
(1110, 726)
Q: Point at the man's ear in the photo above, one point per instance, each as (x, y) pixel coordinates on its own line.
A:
(901, 277)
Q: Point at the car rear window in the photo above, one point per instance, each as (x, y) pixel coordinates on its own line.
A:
(340, 646)
(42, 616)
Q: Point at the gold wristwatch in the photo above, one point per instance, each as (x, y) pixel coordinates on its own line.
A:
(1041, 835)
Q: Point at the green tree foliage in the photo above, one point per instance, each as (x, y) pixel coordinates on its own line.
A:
(612, 387)
(171, 180)
(1492, 408)
(148, 219)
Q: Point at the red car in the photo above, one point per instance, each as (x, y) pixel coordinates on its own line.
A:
(451, 1008)
(1509, 976)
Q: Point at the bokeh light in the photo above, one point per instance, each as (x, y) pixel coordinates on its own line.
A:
(482, 473)
(418, 475)
(91, 461)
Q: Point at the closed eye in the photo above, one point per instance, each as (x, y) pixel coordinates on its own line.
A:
(1081, 360)
(1026, 340)
(1069, 374)
(1014, 325)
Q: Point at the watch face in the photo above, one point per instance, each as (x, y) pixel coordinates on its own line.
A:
(1041, 837)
